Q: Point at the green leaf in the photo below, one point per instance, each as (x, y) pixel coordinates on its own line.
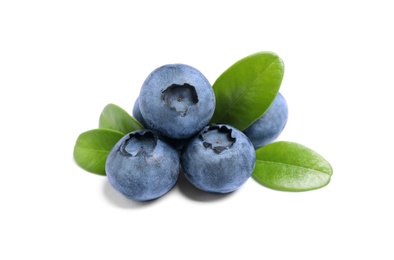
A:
(115, 118)
(92, 148)
(246, 89)
(289, 166)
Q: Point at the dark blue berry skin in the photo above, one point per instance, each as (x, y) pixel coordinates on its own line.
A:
(142, 167)
(268, 127)
(177, 101)
(137, 112)
(219, 159)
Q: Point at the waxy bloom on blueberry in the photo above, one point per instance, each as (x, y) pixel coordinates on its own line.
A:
(219, 159)
(142, 167)
(176, 100)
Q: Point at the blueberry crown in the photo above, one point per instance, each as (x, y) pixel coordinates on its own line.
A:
(139, 143)
(218, 138)
(180, 97)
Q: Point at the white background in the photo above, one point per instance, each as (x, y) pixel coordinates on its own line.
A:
(61, 62)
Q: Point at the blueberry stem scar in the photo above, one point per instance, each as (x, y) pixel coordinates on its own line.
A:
(139, 143)
(217, 138)
(180, 97)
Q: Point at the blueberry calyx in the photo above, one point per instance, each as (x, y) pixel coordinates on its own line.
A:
(180, 97)
(142, 142)
(217, 138)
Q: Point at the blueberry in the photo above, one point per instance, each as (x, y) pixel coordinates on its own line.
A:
(219, 159)
(177, 101)
(137, 112)
(268, 127)
(142, 167)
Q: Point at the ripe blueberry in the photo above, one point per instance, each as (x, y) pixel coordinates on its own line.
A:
(219, 159)
(137, 112)
(268, 127)
(176, 100)
(142, 167)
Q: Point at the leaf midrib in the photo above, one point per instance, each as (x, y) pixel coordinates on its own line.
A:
(297, 166)
(94, 150)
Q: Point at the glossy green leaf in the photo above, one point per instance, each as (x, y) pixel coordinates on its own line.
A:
(92, 148)
(115, 118)
(246, 89)
(289, 166)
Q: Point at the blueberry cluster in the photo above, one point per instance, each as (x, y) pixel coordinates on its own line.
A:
(175, 105)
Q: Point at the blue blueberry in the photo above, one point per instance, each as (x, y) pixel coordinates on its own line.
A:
(177, 101)
(268, 127)
(219, 159)
(137, 112)
(142, 167)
